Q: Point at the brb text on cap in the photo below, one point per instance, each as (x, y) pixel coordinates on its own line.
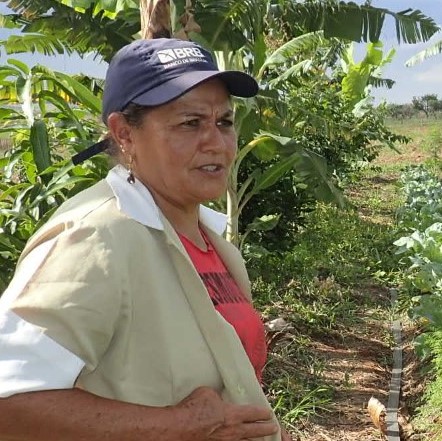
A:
(172, 57)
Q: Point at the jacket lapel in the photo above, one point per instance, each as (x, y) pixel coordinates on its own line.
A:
(240, 383)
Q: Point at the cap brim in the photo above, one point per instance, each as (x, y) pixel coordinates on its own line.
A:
(238, 84)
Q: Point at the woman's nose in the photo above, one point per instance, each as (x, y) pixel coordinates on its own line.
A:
(215, 137)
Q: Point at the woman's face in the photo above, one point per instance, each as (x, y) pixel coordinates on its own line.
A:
(184, 149)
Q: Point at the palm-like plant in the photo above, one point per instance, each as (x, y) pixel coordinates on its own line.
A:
(53, 27)
(434, 49)
(104, 26)
(44, 129)
(241, 33)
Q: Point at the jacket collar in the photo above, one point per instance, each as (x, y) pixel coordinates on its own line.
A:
(136, 202)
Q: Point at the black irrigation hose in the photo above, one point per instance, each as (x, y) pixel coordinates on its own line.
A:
(395, 384)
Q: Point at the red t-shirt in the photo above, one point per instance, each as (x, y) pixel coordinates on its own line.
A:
(230, 302)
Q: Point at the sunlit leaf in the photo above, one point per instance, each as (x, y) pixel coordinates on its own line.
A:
(40, 145)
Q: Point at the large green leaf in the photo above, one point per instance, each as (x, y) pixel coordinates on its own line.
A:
(80, 93)
(64, 107)
(44, 44)
(265, 148)
(350, 21)
(109, 8)
(268, 177)
(434, 49)
(412, 26)
(6, 71)
(264, 223)
(315, 168)
(273, 173)
(294, 48)
(295, 70)
(430, 307)
(40, 145)
(23, 67)
(359, 75)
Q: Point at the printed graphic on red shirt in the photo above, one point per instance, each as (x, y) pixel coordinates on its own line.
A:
(230, 302)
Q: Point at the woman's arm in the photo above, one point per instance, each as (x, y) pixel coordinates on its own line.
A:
(76, 415)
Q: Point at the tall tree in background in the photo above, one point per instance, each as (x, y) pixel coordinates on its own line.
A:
(427, 103)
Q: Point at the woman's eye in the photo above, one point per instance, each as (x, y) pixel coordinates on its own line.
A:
(225, 123)
(191, 122)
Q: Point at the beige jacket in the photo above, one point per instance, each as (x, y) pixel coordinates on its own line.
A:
(125, 298)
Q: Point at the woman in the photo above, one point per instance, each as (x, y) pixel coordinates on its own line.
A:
(129, 316)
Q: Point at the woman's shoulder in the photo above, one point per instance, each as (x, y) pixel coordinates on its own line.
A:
(94, 209)
(86, 201)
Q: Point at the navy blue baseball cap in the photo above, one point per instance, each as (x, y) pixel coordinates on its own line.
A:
(154, 72)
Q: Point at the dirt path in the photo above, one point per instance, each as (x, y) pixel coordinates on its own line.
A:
(359, 360)
(359, 356)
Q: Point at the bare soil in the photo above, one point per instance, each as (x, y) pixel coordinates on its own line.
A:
(358, 367)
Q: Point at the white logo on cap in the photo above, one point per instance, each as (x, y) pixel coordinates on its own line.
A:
(180, 56)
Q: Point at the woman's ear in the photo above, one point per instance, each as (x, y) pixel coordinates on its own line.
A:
(120, 130)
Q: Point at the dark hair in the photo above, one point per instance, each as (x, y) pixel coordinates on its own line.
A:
(134, 115)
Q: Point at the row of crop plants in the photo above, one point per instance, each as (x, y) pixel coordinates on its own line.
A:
(420, 220)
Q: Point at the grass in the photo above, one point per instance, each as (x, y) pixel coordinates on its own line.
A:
(425, 135)
(320, 289)
(331, 287)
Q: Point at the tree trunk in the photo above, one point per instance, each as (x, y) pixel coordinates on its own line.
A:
(155, 19)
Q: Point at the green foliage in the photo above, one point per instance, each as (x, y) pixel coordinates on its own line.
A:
(318, 287)
(109, 8)
(315, 120)
(348, 247)
(244, 31)
(429, 104)
(400, 111)
(292, 404)
(350, 21)
(433, 145)
(423, 199)
(431, 51)
(36, 174)
(51, 27)
(426, 264)
(103, 26)
(28, 198)
(358, 75)
(428, 414)
(422, 213)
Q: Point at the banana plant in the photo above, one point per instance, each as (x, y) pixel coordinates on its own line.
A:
(39, 85)
(431, 51)
(277, 154)
(239, 31)
(103, 26)
(47, 116)
(360, 75)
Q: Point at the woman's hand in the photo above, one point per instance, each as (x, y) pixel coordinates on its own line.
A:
(210, 418)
